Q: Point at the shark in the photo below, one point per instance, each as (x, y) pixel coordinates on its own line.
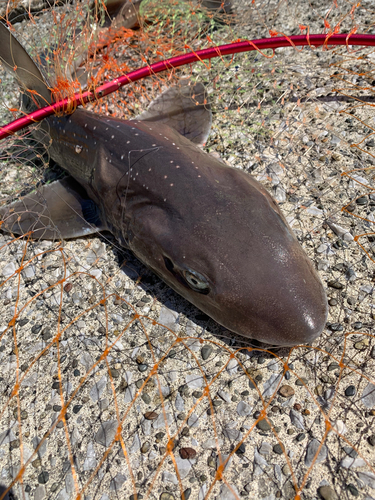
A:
(210, 231)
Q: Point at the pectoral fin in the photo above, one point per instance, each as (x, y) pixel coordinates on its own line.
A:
(61, 209)
(184, 108)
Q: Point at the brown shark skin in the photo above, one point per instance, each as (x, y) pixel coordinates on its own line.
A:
(178, 208)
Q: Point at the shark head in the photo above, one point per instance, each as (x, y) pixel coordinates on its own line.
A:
(224, 245)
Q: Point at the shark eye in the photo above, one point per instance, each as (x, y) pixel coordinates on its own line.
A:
(196, 281)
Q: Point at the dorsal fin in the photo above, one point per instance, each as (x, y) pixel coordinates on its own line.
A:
(18, 62)
(185, 108)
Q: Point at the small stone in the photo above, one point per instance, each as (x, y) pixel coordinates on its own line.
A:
(297, 419)
(286, 391)
(166, 496)
(265, 448)
(362, 200)
(186, 494)
(263, 425)
(243, 409)
(352, 489)
(368, 395)
(194, 381)
(187, 453)
(367, 478)
(327, 493)
(106, 432)
(151, 415)
(43, 477)
(311, 451)
(145, 447)
(352, 463)
(278, 449)
(228, 492)
(146, 398)
(77, 408)
(350, 391)
(206, 351)
(300, 437)
(241, 449)
(302, 381)
(114, 373)
(335, 284)
(371, 440)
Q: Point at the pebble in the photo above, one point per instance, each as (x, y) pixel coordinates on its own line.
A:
(350, 391)
(151, 415)
(263, 425)
(184, 466)
(368, 395)
(327, 493)
(302, 381)
(312, 449)
(90, 461)
(8, 270)
(98, 388)
(225, 396)
(259, 459)
(278, 449)
(231, 432)
(286, 391)
(352, 489)
(145, 447)
(265, 448)
(166, 496)
(352, 463)
(117, 482)
(187, 453)
(194, 381)
(169, 477)
(335, 284)
(40, 492)
(202, 491)
(271, 384)
(232, 366)
(297, 419)
(368, 478)
(206, 351)
(243, 409)
(228, 492)
(212, 444)
(187, 494)
(106, 432)
(43, 477)
(168, 318)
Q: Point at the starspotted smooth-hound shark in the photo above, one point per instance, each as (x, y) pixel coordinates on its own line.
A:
(210, 231)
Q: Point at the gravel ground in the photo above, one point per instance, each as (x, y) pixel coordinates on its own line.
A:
(98, 335)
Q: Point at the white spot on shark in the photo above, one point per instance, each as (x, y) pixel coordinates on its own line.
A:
(78, 149)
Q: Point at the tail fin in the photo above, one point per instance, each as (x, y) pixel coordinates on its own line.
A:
(18, 62)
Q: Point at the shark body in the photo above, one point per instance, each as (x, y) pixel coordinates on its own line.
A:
(211, 232)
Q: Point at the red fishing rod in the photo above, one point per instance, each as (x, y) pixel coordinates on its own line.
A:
(175, 62)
